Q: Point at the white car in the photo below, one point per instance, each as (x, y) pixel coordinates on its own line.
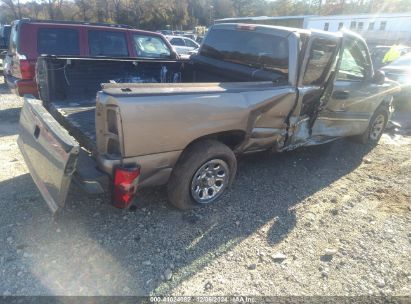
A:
(183, 45)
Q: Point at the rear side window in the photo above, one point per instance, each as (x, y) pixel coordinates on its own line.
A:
(105, 43)
(58, 41)
(250, 48)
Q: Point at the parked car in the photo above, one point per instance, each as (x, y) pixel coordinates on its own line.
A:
(191, 36)
(30, 39)
(251, 88)
(378, 54)
(165, 32)
(199, 39)
(4, 40)
(183, 45)
(400, 71)
(4, 36)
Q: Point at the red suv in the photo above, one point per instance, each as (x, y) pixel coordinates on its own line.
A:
(29, 39)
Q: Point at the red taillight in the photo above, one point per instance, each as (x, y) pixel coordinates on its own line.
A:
(27, 69)
(125, 185)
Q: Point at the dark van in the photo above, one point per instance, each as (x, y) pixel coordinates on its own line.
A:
(4, 36)
(4, 41)
(29, 39)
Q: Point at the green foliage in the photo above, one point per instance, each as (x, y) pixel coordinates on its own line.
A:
(186, 14)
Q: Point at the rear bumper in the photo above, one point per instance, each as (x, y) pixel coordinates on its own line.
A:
(88, 177)
(155, 168)
(22, 87)
(96, 176)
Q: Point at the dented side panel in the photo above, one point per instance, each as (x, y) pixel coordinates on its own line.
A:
(154, 122)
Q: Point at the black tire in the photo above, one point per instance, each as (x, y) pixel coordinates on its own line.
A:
(372, 135)
(194, 158)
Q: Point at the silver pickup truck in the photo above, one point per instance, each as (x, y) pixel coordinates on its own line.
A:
(250, 88)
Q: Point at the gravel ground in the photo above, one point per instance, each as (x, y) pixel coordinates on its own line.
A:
(326, 220)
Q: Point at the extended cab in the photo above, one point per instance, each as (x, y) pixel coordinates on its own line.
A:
(251, 88)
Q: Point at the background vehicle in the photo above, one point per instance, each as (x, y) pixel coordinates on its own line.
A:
(165, 32)
(4, 37)
(199, 39)
(378, 53)
(30, 39)
(191, 36)
(183, 45)
(4, 41)
(251, 88)
(400, 71)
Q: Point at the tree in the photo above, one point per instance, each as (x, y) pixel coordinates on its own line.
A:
(84, 6)
(14, 7)
(34, 9)
(185, 14)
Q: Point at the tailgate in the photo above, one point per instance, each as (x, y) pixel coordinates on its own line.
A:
(49, 152)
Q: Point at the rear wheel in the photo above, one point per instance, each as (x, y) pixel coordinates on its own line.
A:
(376, 127)
(201, 176)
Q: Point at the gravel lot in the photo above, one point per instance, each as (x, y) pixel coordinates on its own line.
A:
(326, 220)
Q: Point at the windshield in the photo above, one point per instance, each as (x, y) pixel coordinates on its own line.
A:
(250, 48)
(151, 47)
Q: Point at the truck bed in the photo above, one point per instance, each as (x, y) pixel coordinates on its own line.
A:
(68, 87)
(79, 119)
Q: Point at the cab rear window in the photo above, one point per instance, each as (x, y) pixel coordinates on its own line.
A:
(106, 43)
(58, 41)
(250, 48)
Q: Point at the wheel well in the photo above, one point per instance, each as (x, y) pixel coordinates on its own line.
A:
(230, 138)
(386, 102)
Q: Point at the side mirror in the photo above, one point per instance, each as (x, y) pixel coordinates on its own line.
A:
(379, 77)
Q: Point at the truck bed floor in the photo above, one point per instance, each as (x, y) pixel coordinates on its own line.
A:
(79, 120)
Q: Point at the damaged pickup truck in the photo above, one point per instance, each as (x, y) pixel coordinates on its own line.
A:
(250, 88)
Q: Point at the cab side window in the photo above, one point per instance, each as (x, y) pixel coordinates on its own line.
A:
(322, 56)
(355, 63)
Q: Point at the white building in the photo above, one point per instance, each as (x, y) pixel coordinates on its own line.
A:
(375, 28)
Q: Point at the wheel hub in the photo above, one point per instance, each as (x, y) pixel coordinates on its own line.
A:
(377, 127)
(210, 181)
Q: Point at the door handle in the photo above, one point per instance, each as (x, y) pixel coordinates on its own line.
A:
(36, 132)
(341, 95)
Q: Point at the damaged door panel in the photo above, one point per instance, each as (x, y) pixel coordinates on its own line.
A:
(315, 83)
(354, 96)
